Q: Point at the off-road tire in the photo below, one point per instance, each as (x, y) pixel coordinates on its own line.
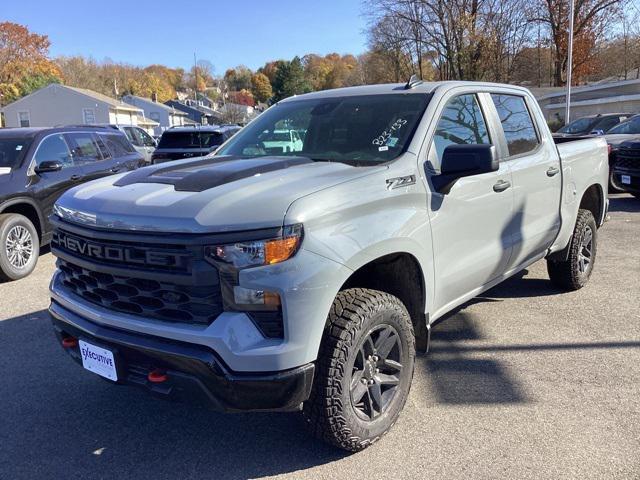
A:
(567, 274)
(8, 223)
(329, 413)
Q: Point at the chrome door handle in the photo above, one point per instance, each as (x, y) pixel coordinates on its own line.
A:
(501, 186)
(552, 171)
(75, 177)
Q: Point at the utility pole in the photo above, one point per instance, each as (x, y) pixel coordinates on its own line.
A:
(569, 62)
(195, 72)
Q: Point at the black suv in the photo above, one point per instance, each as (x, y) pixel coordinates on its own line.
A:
(37, 165)
(194, 141)
(626, 168)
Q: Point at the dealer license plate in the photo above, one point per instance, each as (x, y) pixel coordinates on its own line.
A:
(98, 360)
(626, 179)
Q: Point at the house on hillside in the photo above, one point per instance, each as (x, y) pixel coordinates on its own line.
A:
(164, 115)
(237, 113)
(57, 104)
(199, 114)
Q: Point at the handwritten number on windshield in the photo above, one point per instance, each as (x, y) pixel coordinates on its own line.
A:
(384, 136)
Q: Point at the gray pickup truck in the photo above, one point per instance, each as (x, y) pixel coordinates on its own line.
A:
(262, 279)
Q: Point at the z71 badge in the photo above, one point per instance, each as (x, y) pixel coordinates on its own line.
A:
(399, 182)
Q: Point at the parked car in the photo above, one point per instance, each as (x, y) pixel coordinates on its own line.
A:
(192, 141)
(593, 124)
(626, 167)
(307, 280)
(36, 166)
(143, 143)
(281, 141)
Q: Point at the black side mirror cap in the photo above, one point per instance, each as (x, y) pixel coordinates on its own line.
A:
(48, 166)
(460, 161)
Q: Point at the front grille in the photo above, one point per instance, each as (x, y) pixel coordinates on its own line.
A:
(269, 323)
(160, 300)
(627, 160)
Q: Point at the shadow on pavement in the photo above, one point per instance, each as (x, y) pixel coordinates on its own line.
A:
(59, 421)
(626, 203)
(461, 379)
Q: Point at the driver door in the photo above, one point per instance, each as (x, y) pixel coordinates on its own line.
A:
(471, 225)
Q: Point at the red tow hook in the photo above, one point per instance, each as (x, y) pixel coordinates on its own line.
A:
(69, 342)
(157, 376)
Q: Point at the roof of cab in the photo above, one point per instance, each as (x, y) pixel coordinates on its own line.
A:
(397, 88)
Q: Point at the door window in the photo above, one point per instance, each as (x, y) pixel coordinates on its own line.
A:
(54, 149)
(461, 123)
(83, 148)
(117, 144)
(517, 123)
(133, 137)
(146, 139)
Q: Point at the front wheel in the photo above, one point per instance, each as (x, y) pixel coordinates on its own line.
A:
(574, 272)
(364, 369)
(19, 246)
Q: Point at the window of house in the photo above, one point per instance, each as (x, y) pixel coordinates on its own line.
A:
(89, 116)
(24, 119)
(461, 123)
(517, 123)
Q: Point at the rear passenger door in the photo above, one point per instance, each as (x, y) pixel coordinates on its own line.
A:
(535, 169)
(91, 154)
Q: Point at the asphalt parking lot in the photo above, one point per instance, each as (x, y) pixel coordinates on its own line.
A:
(525, 382)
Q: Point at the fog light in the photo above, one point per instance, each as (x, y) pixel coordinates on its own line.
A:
(248, 296)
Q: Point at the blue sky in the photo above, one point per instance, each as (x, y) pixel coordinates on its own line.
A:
(227, 33)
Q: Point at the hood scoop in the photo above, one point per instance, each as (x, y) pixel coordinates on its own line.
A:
(203, 174)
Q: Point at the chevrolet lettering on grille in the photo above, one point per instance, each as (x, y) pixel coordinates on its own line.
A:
(117, 253)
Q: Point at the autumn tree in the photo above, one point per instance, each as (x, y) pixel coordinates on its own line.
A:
(290, 79)
(238, 78)
(590, 21)
(261, 87)
(24, 62)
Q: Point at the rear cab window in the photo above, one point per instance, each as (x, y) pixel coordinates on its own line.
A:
(519, 130)
(187, 140)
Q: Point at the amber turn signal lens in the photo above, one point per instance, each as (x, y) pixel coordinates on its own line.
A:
(281, 249)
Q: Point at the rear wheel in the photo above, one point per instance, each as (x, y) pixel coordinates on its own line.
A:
(19, 246)
(364, 369)
(574, 272)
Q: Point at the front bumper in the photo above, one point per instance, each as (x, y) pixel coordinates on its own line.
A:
(194, 373)
(634, 174)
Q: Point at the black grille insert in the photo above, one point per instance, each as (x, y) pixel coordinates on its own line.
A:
(152, 299)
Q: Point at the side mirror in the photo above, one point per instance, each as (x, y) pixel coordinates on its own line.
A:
(48, 166)
(460, 161)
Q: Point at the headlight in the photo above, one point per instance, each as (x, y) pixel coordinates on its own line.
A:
(258, 252)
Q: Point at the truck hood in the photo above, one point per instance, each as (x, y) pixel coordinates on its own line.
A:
(207, 195)
(616, 139)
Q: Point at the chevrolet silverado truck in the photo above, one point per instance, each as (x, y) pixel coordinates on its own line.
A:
(248, 281)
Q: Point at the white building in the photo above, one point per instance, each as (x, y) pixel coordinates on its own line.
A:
(610, 97)
(164, 115)
(56, 105)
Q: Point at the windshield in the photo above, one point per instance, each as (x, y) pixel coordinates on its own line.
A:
(628, 127)
(12, 150)
(582, 125)
(358, 129)
(190, 139)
